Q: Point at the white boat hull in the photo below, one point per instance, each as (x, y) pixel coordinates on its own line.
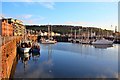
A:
(102, 46)
(25, 50)
(26, 55)
(110, 43)
(48, 42)
(102, 42)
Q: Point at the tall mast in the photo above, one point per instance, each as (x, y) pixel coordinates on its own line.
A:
(51, 32)
(115, 28)
(48, 32)
(88, 34)
(71, 33)
(75, 33)
(79, 33)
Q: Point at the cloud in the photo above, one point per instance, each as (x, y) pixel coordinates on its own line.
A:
(27, 16)
(103, 25)
(28, 19)
(49, 5)
(2, 15)
(24, 16)
(79, 23)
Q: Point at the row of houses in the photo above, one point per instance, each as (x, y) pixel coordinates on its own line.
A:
(52, 34)
(11, 27)
(42, 33)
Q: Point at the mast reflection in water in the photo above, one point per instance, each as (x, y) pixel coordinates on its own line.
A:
(67, 60)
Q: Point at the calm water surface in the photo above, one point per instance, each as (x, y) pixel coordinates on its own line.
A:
(68, 60)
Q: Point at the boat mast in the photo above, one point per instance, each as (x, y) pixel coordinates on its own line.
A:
(48, 31)
(71, 33)
(91, 33)
(79, 33)
(75, 33)
(88, 34)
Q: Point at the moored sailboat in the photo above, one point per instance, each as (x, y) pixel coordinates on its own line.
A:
(50, 39)
(102, 42)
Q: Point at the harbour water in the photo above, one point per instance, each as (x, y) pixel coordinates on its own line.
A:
(68, 60)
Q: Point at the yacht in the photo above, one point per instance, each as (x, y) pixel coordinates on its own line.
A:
(50, 39)
(85, 41)
(102, 42)
(103, 46)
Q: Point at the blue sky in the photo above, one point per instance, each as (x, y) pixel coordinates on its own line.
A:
(92, 14)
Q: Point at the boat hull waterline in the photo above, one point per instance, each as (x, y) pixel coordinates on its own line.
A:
(25, 50)
(102, 42)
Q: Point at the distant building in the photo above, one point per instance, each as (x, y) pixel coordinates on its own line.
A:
(19, 28)
(6, 28)
(11, 27)
(0, 27)
(57, 34)
(45, 33)
(42, 34)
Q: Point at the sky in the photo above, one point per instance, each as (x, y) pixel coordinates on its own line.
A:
(86, 14)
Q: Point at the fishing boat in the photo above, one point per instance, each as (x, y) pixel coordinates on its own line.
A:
(102, 42)
(36, 55)
(35, 48)
(25, 46)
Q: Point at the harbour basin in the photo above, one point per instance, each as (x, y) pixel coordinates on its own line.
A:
(68, 60)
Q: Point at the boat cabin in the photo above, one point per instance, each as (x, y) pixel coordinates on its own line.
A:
(26, 44)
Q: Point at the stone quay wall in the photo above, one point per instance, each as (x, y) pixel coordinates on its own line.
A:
(8, 54)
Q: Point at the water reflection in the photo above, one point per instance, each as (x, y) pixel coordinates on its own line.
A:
(35, 56)
(49, 63)
(103, 46)
(24, 59)
(67, 60)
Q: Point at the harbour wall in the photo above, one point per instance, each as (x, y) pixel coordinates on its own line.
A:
(8, 55)
(8, 52)
(0, 58)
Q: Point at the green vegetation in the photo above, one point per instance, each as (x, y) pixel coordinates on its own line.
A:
(66, 29)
